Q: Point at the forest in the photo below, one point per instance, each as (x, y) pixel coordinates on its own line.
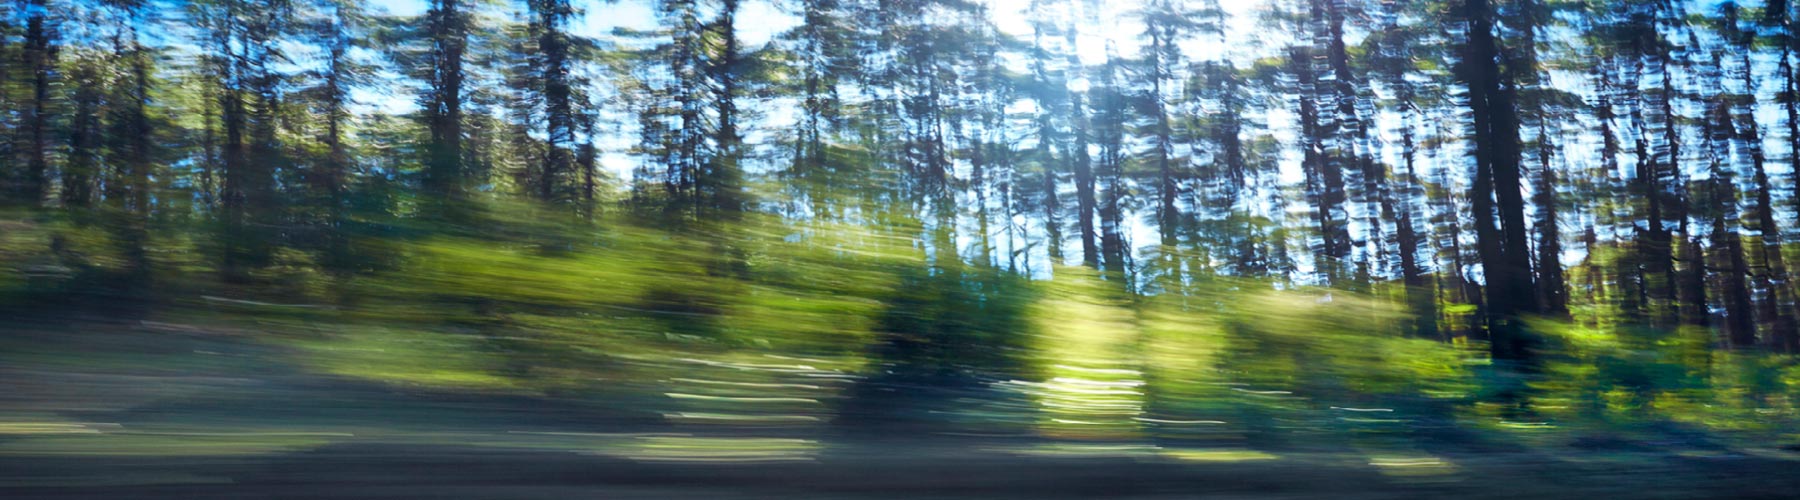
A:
(1489, 248)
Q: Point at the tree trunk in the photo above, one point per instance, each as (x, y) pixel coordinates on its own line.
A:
(1497, 192)
(1084, 171)
(723, 183)
(40, 54)
(559, 111)
(1553, 294)
(445, 175)
(1419, 297)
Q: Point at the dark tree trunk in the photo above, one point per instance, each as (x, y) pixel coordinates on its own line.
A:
(85, 136)
(1497, 194)
(1790, 98)
(1168, 186)
(39, 53)
(1690, 300)
(135, 130)
(1740, 320)
(447, 26)
(1350, 136)
(1252, 259)
(235, 160)
(1419, 297)
(1332, 156)
(334, 170)
(1553, 293)
(589, 163)
(723, 183)
(1324, 180)
(1110, 127)
(1084, 171)
(1763, 260)
(1610, 150)
(551, 16)
(1775, 310)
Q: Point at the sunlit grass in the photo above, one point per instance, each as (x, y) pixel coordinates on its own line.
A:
(770, 330)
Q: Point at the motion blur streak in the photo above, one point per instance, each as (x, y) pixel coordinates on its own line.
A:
(899, 249)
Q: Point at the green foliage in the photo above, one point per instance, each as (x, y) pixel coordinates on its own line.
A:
(867, 221)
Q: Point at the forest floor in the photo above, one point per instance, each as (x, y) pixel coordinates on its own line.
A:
(104, 409)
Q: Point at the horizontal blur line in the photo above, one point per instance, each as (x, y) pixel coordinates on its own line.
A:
(678, 395)
(744, 384)
(235, 434)
(604, 434)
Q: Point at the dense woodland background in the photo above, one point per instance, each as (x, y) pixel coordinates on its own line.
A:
(1165, 219)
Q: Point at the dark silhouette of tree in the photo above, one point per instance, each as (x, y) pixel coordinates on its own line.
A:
(39, 51)
(1496, 194)
(445, 28)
